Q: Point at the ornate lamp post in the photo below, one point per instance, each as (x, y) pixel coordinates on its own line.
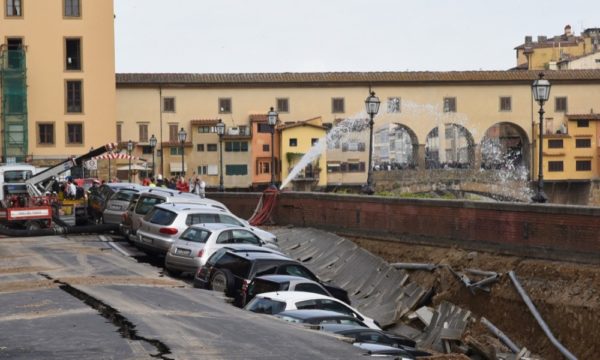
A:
(272, 119)
(129, 150)
(182, 135)
(541, 93)
(372, 104)
(152, 142)
(221, 131)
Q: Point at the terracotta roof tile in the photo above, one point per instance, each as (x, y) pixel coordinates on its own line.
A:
(590, 116)
(347, 78)
(175, 144)
(200, 122)
(258, 117)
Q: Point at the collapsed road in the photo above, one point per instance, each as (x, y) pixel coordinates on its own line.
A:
(76, 297)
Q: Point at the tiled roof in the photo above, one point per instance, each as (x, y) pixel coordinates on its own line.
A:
(200, 122)
(590, 116)
(175, 144)
(391, 77)
(301, 123)
(258, 117)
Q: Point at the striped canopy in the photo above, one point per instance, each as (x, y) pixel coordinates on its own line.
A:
(112, 156)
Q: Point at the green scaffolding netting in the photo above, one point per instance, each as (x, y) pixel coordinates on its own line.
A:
(13, 80)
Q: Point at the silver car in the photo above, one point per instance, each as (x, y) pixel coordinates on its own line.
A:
(119, 202)
(166, 222)
(132, 218)
(199, 242)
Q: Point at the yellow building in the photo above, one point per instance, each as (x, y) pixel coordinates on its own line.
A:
(58, 87)
(549, 52)
(297, 140)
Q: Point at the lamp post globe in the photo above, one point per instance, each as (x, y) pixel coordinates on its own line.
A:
(129, 150)
(541, 94)
(182, 135)
(220, 127)
(372, 106)
(152, 142)
(272, 120)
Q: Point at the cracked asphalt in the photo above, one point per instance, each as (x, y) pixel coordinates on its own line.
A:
(82, 297)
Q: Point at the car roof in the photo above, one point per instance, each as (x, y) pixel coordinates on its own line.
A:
(294, 296)
(283, 278)
(189, 207)
(217, 226)
(314, 313)
(254, 255)
(343, 328)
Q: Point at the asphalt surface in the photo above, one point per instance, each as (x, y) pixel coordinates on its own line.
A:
(82, 297)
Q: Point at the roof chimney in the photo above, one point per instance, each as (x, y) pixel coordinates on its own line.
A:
(568, 30)
(542, 38)
(528, 39)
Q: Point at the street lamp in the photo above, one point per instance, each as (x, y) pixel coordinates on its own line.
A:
(272, 119)
(129, 149)
(152, 142)
(181, 135)
(221, 131)
(372, 105)
(541, 93)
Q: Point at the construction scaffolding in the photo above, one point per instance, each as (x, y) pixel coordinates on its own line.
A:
(13, 84)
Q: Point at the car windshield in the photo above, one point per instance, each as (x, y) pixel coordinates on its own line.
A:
(146, 203)
(211, 218)
(124, 195)
(195, 235)
(238, 237)
(265, 306)
(260, 286)
(162, 217)
(17, 176)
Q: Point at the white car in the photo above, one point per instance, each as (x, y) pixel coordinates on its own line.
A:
(200, 241)
(275, 302)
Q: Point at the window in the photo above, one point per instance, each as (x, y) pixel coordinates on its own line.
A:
(337, 105)
(555, 144)
(309, 287)
(264, 167)
(74, 133)
(168, 104)
(583, 143)
(236, 169)
(244, 130)
(264, 128)
(73, 54)
(176, 150)
(555, 166)
(583, 123)
(72, 8)
(14, 8)
(583, 165)
(211, 147)
(293, 142)
(352, 167)
(353, 146)
(283, 105)
(173, 133)
(143, 132)
(146, 149)
(202, 170)
(560, 104)
(266, 147)
(45, 133)
(74, 96)
(333, 167)
(224, 105)
(199, 147)
(449, 104)
(393, 105)
(206, 129)
(313, 141)
(236, 146)
(505, 103)
(119, 133)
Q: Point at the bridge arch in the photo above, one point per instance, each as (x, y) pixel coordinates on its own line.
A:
(455, 149)
(505, 145)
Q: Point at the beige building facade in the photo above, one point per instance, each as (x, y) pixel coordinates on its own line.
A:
(441, 119)
(58, 89)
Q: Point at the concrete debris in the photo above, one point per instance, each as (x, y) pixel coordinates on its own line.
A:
(479, 284)
(425, 314)
(414, 266)
(447, 325)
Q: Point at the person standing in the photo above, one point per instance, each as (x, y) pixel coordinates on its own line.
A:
(199, 187)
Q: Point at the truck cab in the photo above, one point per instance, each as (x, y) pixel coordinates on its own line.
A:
(13, 178)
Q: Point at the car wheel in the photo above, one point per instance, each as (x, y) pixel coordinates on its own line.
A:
(222, 281)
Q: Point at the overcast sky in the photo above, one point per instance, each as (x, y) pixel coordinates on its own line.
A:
(232, 36)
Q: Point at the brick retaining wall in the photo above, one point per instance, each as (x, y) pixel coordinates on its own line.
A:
(546, 231)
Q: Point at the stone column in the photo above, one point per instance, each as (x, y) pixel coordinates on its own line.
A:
(420, 160)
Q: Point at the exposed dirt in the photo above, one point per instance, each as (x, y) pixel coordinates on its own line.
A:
(567, 295)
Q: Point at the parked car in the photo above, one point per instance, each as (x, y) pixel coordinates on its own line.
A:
(154, 196)
(231, 273)
(198, 242)
(166, 222)
(366, 335)
(316, 317)
(119, 202)
(98, 198)
(300, 300)
(270, 283)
